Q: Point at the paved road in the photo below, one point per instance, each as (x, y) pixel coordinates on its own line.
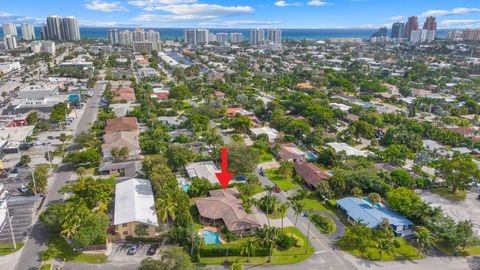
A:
(38, 237)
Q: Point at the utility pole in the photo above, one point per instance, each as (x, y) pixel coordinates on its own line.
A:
(11, 228)
(34, 182)
(308, 235)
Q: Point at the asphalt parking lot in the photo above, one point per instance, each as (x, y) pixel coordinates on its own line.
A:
(118, 253)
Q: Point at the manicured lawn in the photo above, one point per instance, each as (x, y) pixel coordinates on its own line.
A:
(404, 252)
(470, 251)
(284, 184)
(459, 195)
(6, 249)
(313, 203)
(59, 248)
(275, 215)
(265, 156)
(292, 255)
(47, 266)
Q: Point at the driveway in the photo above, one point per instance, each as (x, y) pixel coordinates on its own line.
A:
(459, 211)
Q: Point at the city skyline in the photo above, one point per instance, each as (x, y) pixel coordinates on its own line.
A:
(245, 14)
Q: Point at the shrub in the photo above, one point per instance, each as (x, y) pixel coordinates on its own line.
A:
(298, 241)
(325, 224)
(236, 266)
(332, 203)
(285, 242)
(233, 250)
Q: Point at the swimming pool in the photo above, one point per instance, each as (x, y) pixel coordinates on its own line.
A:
(377, 205)
(310, 156)
(211, 237)
(185, 186)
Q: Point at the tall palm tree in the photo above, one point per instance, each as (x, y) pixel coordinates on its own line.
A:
(298, 208)
(283, 210)
(247, 247)
(268, 236)
(268, 189)
(423, 238)
(166, 208)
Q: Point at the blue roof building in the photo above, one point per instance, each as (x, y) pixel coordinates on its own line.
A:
(361, 210)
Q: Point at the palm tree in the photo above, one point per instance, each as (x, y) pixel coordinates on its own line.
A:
(166, 208)
(423, 238)
(285, 169)
(228, 237)
(385, 246)
(248, 204)
(283, 210)
(268, 189)
(268, 236)
(74, 214)
(298, 208)
(247, 247)
(374, 198)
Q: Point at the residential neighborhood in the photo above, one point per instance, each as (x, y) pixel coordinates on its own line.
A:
(223, 149)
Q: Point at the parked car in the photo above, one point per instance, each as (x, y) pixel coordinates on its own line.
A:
(276, 188)
(132, 250)
(152, 250)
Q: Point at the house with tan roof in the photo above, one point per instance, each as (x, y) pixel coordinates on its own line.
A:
(121, 139)
(121, 124)
(224, 207)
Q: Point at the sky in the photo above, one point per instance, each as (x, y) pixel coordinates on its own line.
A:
(244, 13)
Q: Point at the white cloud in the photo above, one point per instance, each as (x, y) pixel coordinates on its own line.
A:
(317, 3)
(450, 23)
(9, 17)
(240, 22)
(172, 18)
(105, 6)
(445, 12)
(282, 4)
(395, 18)
(205, 9)
(144, 3)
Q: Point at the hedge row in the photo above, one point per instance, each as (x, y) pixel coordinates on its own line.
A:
(233, 250)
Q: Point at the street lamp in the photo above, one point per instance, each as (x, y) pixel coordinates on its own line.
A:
(34, 182)
(308, 233)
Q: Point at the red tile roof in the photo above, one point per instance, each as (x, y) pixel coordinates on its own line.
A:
(310, 173)
(121, 124)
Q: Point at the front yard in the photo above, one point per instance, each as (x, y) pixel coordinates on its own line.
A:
(404, 252)
(290, 256)
(283, 184)
(59, 248)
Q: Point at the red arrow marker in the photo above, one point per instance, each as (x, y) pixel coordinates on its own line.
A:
(224, 177)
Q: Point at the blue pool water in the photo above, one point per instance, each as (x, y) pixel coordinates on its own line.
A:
(377, 205)
(211, 237)
(310, 156)
(185, 186)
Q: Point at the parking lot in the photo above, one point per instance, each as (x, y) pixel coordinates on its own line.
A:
(22, 209)
(459, 211)
(118, 253)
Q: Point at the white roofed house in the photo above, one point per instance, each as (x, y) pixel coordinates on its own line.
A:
(135, 207)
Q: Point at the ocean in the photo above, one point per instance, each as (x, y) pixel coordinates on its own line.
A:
(288, 33)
